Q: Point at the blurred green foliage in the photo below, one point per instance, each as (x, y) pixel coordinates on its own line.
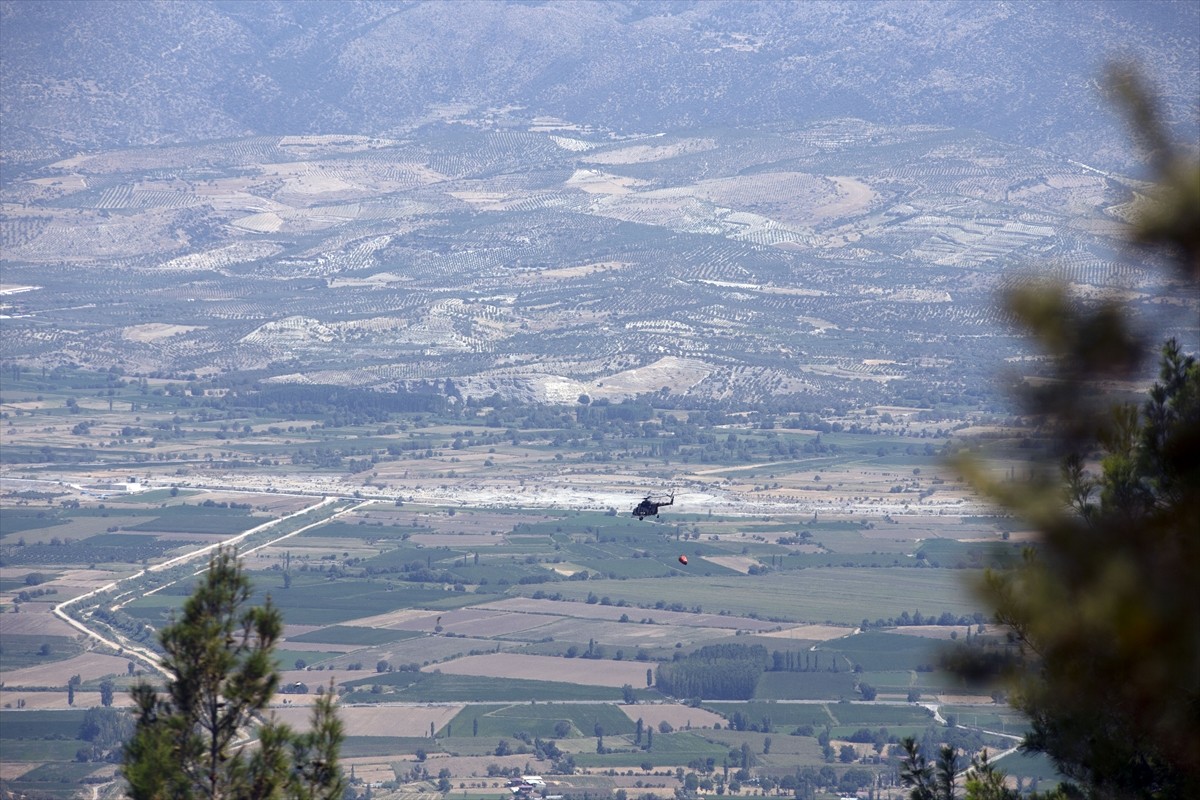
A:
(1104, 612)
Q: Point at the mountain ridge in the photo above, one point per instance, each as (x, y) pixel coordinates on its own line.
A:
(94, 75)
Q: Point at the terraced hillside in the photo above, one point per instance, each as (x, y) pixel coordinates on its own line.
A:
(811, 266)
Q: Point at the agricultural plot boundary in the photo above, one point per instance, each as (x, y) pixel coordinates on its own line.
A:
(79, 612)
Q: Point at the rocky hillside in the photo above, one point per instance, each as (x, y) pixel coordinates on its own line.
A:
(88, 75)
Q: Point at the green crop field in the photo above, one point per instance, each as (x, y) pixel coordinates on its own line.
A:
(435, 687)
(822, 685)
(667, 749)
(155, 609)
(286, 659)
(876, 715)
(314, 600)
(115, 540)
(24, 650)
(38, 750)
(841, 559)
(198, 519)
(532, 541)
(405, 554)
(87, 552)
(896, 682)
(840, 596)
(955, 554)
(350, 634)
(782, 716)
(466, 745)
(997, 718)
(15, 521)
(876, 650)
(539, 719)
(40, 724)
(354, 746)
(52, 780)
(365, 530)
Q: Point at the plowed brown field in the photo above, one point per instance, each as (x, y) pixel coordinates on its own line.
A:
(589, 672)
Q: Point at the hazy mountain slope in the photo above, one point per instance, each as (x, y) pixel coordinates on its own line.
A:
(807, 205)
(102, 74)
(827, 265)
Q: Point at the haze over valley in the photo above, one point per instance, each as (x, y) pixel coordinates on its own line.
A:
(413, 302)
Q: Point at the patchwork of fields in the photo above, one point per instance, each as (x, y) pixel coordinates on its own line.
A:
(478, 635)
(419, 375)
(463, 642)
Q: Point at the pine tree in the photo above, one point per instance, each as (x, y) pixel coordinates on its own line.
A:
(1103, 610)
(187, 742)
(315, 772)
(916, 771)
(985, 782)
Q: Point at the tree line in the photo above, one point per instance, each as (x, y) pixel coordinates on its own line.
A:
(714, 672)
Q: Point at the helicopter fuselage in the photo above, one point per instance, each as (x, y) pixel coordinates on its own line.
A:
(649, 508)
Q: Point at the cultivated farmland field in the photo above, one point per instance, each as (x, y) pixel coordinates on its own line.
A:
(450, 629)
(568, 670)
(835, 596)
(379, 720)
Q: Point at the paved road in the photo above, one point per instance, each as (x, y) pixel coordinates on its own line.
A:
(145, 654)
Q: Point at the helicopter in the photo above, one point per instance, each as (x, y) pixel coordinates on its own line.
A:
(649, 508)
